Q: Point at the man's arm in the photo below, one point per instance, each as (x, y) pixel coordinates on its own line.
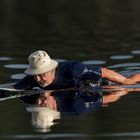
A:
(116, 77)
(26, 83)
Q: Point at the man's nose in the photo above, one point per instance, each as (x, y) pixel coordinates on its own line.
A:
(38, 78)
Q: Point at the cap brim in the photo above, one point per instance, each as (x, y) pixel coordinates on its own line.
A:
(51, 66)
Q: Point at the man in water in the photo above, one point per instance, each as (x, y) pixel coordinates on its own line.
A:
(46, 73)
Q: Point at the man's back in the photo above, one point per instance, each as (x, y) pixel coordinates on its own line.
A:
(67, 74)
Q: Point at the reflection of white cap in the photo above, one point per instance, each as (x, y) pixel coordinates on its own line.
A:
(43, 117)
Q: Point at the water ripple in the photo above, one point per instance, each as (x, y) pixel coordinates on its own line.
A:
(125, 65)
(16, 66)
(135, 52)
(17, 76)
(45, 136)
(94, 62)
(5, 58)
(126, 134)
(133, 68)
(121, 57)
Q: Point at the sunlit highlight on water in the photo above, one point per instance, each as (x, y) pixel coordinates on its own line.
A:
(93, 62)
(16, 66)
(135, 52)
(125, 134)
(121, 57)
(17, 76)
(46, 136)
(5, 58)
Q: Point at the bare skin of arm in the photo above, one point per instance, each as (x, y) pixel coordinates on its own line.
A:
(113, 97)
(116, 77)
(135, 77)
(116, 95)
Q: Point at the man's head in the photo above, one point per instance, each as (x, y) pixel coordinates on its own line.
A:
(42, 67)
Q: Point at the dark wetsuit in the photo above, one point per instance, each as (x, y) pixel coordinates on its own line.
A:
(78, 101)
(74, 101)
(68, 74)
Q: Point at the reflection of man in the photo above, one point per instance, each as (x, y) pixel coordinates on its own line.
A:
(43, 117)
(70, 101)
(76, 102)
(46, 112)
(46, 73)
(46, 100)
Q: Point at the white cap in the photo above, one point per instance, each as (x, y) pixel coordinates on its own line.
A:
(40, 62)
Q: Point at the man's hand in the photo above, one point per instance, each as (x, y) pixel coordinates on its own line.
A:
(129, 82)
(116, 77)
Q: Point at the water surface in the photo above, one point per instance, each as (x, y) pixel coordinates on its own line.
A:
(94, 32)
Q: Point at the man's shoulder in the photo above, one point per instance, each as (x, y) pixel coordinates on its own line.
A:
(24, 82)
(28, 77)
(70, 62)
(78, 65)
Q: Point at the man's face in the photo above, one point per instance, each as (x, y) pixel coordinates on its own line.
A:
(45, 79)
(48, 101)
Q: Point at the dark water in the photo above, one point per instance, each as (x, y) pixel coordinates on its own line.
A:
(93, 31)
